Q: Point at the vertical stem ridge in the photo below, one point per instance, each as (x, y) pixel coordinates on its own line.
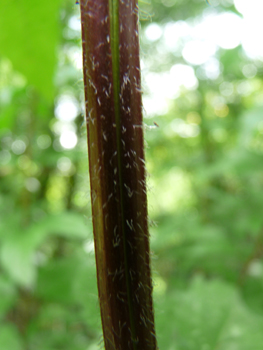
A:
(114, 38)
(117, 172)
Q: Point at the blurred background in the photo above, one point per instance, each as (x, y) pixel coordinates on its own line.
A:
(202, 79)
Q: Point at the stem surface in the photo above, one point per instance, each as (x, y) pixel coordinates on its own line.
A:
(117, 172)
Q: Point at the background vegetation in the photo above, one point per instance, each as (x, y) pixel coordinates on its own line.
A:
(205, 177)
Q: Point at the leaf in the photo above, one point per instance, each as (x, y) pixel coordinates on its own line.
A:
(29, 38)
(209, 315)
(7, 117)
(9, 338)
(249, 122)
(8, 295)
(56, 280)
(18, 248)
(70, 281)
(66, 224)
(17, 259)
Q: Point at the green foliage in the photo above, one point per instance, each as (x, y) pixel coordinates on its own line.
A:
(209, 315)
(9, 338)
(30, 36)
(205, 191)
(21, 248)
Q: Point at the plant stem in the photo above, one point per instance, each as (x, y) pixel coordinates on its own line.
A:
(117, 172)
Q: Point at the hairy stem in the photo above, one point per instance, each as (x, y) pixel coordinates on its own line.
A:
(117, 172)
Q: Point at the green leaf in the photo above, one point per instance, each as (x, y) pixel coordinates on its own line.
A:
(71, 281)
(66, 224)
(249, 122)
(18, 249)
(9, 338)
(17, 259)
(8, 295)
(56, 281)
(209, 315)
(29, 38)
